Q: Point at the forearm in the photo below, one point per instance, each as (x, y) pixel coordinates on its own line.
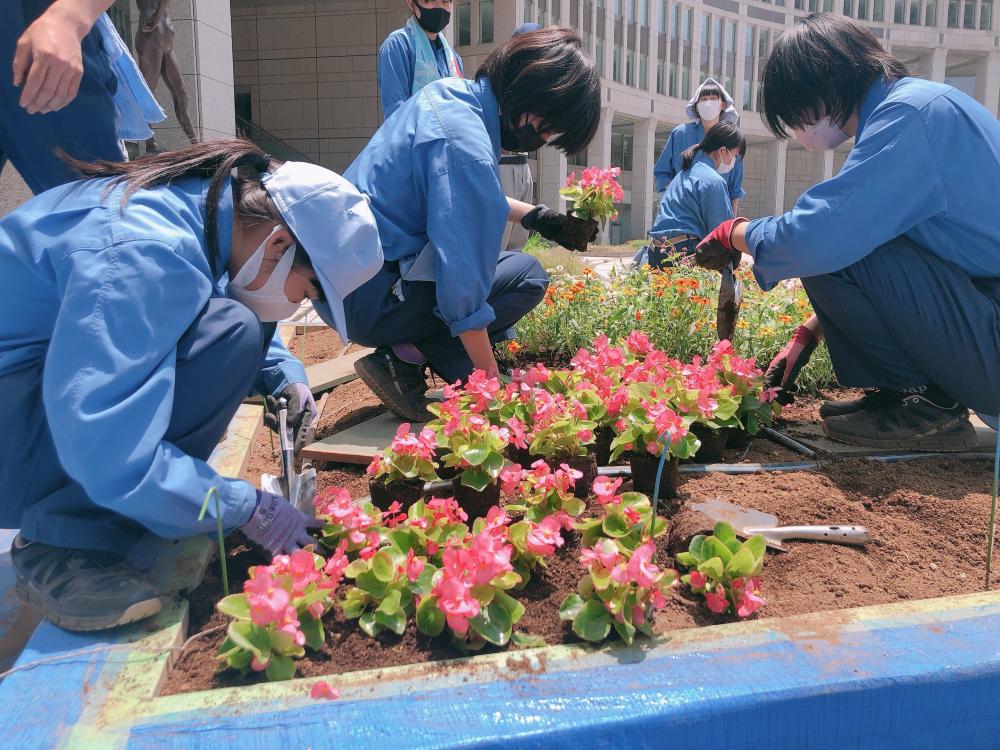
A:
(738, 237)
(477, 346)
(814, 327)
(518, 210)
(78, 15)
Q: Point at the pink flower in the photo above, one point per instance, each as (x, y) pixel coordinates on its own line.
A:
(266, 597)
(543, 538)
(414, 566)
(289, 625)
(322, 689)
(640, 566)
(510, 478)
(605, 489)
(638, 615)
(750, 599)
(638, 343)
(518, 432)
(585, 436)
(698, 581)
(302, 566)
(259, 666)
(316, 610)
(768, 395)
(604, 553)
(455, 601)
(496, 521)
(717, 601)
(632, 515)
(667, 420)
(564, 519)
(375, 467)
(706, 404)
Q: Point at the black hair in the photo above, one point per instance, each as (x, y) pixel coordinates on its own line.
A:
(823, 64)
(213, 159)
(546, 73)
(710, 90)
(723, 134)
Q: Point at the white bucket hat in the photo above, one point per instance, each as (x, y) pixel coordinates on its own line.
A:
(333, 223)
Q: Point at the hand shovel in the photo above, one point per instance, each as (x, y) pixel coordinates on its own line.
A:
(747, 522)
(299, 488)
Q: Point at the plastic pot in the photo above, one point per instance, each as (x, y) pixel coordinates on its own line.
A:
(713, 443)
(602, 445)
(404, 491)
(587, 465)
(644, 468)
(476, 504)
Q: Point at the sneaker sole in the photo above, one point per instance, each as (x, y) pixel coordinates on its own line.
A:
(389, 399)
(950, 442)
(138, 611)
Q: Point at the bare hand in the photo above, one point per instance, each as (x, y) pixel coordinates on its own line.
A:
(48, 62)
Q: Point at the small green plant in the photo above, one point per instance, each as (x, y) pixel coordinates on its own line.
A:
(724, 570)
(386, 590)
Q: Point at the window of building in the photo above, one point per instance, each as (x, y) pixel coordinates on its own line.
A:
(621, 150)
(689, 22)
(800, 4)
(644, 72)
(529, 11)
(619, 8)
(986, 15)
(914, 13)
(747, 100)
(630, 68)
(464, 25)
(663, 17)
(899, 11)
(672, 80)
(969, 21)
(704, 31)
(616, 64)
(849, 8)
(660, 78)
(953, 14)
(675, 14)
(878, 10)
(828, 6)
(599, 55)
(863, 10)
(631, 11)
(577, 160)
(685, 82)
(930, 13)
(644, 18)
(717, 33)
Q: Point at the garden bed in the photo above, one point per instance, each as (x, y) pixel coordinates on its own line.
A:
(927, 520)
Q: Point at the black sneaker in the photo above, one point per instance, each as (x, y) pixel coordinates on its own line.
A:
(401, 386)
(910, 422)
(872, 399)
(80, 589)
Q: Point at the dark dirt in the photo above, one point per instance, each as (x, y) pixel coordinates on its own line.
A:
(927, 519)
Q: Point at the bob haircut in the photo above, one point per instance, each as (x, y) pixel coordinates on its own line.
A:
(723, 134)
(823, 64)
(710, 90)
(547, 74)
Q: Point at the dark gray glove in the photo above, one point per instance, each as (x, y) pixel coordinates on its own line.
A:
(301, 412)
(569, 231)
(277, 526)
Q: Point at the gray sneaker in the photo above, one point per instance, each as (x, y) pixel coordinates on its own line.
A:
(871, 399)
(401, 386)
(81, 589)
(909, 422)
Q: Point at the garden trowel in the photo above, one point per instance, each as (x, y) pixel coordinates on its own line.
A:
(730, 299)
(298, 487)
(747, 523)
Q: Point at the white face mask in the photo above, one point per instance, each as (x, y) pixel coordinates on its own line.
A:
(269, 302)
(709, 109)
(724, 168)
(820, 136)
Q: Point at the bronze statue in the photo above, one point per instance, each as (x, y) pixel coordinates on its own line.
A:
(154, 51)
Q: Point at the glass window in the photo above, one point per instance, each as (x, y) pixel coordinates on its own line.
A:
(986, 15)
(660, 82)
(849, 8)
(616, 64)
(644, 71)
(672, 80)
(529, 11)
(952, 14)
(644, 18)
(828, 6)
(930, 13)
(486, 21)
(969, 21)
(599, 55)
(704, 31)
(663, 16)
(878, 10)
(675, 13)
(464, 25)
(863, 10)
(813, 6)
(748, 42)
(619, 9)
(630, 69)
(731, 36)
(685, 82)
(689, 22)
(914, 12)
(899, 12)
(631, 11)
(800, 4)
(763, 43)
(717, 33)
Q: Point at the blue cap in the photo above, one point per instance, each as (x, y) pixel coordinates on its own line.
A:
(525, 27)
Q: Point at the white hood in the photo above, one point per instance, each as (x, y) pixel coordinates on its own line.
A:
(728, 113)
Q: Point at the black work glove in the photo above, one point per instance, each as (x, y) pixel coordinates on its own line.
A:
(569, 231)
(785, 366)
(716, 251)
(301, 412)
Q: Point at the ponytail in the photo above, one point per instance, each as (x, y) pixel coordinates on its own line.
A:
(213, 159)
(723, 134)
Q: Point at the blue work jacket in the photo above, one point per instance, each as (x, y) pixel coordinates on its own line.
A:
(925, 165)
(396, 58)
(431, 174)
(101, 296)
(680, 140)
(695, 202)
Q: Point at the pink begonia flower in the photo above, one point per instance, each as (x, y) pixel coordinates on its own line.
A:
(717, 601)
(367, 553)
(302, 566)
(632, 515)
(447, 510)
(638, 615)
(267, 599)
(336, 564)
(768, 395)
(316, 610)
(455, 601)
(544, 537)
(605, 489)
(653, 448)
(259, 666)
(585, 436)
(667, 420)
(323, 689)
(619, 573)
(518, 433)
(414, 566)
(565, 477)
(289, 624)
(698, 581)
(641, 569)
(496, 521)
(750, 599)
(432, 547)
(510, 478)
(706, 404)
(564, 519)
(488, 557)
(657, 598)
(638, 343)
(375, 466)
(604, 553)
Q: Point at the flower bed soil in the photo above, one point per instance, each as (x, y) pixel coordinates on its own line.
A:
(927, 519)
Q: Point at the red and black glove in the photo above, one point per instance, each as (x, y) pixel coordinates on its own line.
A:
(716, 251)
(785, 367)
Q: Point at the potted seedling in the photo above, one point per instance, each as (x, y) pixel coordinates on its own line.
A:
(398, 473)
(475, 448)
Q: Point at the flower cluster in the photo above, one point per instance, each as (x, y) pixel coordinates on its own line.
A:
(280, 611)
(594, 194)
(356, 526)
(540, 491)
(409, 456)
(725, 570)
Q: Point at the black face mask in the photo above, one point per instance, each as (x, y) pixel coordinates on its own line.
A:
(433, 20)
(524, 139)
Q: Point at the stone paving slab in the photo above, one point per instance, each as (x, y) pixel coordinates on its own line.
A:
(326, 375)
(357, 444)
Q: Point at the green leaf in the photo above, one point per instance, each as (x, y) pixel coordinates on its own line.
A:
(570, 607)
(756, 544)
(476, 479)
(356, 568)
(354, 603)
(430, 619)
(724, 531)
(280, 668)
(401, 539)
(741, 565)
(383, 567)
(626, 630)
(483, 592)
(514, 608)
(697, 547)
(493, 464)
(238, 659)
(425, 581)
(714, 548)
(592, 622)
(368, 624)
(574, 506)
(508, 580)
(313, 630)
(235, 605)
(615, 525)
(391, 604)
(686, 559)
(493, 624)
(368, 581)
(250, 637)
(475, 455)
(713, 568)
(734, 545)
(395, 621)
(526, 640)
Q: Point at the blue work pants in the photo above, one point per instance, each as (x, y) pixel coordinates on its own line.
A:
(377, 317)
(217, 359)
(86, 128)
(902, 317)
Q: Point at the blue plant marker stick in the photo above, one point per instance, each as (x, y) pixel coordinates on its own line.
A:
(665, 439)
(993, 515)
(221, 536)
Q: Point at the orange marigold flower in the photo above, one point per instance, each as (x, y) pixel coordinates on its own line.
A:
(638, 315)
(513, 347)
(785, 319)
(700, 300)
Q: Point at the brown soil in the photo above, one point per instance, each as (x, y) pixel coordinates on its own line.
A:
(927, 519)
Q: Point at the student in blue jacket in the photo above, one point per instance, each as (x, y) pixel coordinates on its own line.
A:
(697, 199)
(123, 365)
(710, 105)
(447, 292)
(415, 55)
(899, 252)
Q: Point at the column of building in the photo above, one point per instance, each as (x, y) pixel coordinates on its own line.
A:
(774, 183)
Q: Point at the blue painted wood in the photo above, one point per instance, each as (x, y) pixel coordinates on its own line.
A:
(921, 685)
